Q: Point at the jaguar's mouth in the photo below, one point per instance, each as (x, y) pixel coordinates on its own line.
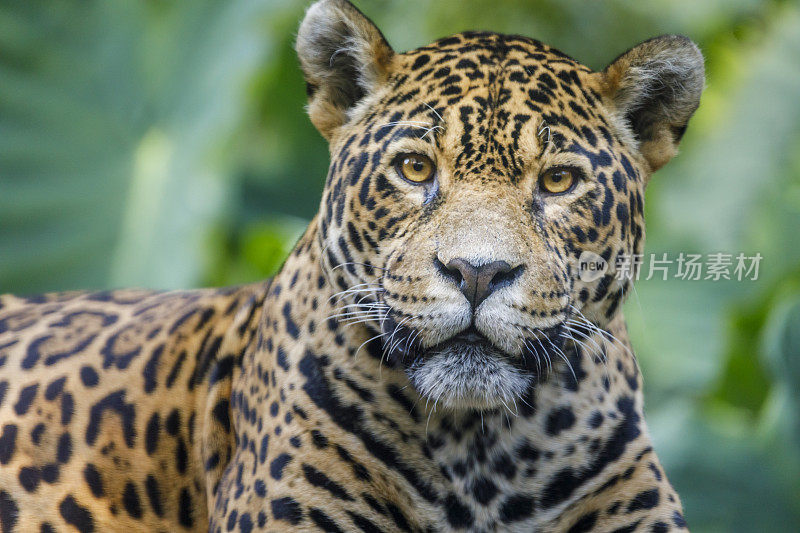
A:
(469, 371)
(469, 335)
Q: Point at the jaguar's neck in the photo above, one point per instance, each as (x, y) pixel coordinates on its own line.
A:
(328, 380)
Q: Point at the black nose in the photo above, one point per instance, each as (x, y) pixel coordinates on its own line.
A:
(478, 282)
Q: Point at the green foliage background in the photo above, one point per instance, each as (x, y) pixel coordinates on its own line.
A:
(164, 144)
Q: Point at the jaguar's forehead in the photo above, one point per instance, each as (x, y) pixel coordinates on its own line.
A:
(489, 49)
(501, 66)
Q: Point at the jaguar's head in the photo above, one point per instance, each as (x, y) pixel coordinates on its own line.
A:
(468, 178)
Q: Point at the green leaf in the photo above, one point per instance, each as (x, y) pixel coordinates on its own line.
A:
(112, 114)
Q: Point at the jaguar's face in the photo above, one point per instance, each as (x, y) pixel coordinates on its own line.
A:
(464, 187)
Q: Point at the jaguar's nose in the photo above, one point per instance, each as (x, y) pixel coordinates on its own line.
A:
(478, 281)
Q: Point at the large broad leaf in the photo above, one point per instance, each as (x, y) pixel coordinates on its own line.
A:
(734, 188)
(781, 421)
(111, 119)
(740, 148)
(726, 480)
(737, 162)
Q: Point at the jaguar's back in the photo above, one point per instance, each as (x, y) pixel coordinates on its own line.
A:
(114, 410)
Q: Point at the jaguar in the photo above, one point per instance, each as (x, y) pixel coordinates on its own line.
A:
(431, 356)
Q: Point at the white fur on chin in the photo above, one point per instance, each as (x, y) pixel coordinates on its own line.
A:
(471, 377)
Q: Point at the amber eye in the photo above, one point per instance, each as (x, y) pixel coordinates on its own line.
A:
(557, 180)
(416, 168)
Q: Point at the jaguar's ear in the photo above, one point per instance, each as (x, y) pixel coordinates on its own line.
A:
(344, 57)
(654, 88)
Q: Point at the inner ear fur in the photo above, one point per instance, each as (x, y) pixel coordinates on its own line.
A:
(654, 88)
(344, 57)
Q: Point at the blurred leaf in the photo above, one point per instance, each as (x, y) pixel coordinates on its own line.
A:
(255, 252)
(743, 383)
(110, 115)
(677, 330)
(726, 481)
(282, 159)
(782, 354)
(711, 187)
(741, 152)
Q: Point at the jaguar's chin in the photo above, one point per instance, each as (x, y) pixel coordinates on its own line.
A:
(469, 372)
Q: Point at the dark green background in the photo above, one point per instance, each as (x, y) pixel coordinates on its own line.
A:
(164, 144)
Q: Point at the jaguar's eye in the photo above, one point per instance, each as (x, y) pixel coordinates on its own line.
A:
(416, 168)
(557, 180)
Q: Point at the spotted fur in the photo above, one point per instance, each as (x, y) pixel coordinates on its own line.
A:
(362, 389)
